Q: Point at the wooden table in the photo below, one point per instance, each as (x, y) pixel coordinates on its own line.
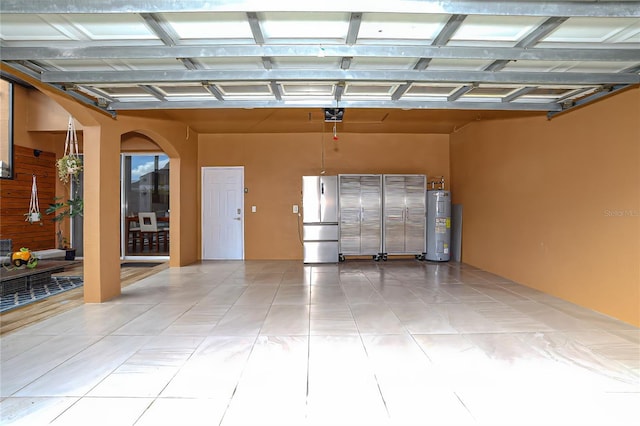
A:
(163, 225)
(20, 278)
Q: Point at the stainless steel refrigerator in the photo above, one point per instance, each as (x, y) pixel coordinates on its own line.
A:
(320, 219)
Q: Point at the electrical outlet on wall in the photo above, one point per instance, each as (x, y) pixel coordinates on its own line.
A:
(295, 209)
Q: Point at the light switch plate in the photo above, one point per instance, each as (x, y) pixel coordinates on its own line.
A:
(253, 209)
(295, 208)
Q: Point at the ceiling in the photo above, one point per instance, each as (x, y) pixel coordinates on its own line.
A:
(403, 61)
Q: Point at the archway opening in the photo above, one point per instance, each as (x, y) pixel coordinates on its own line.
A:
(145, 192)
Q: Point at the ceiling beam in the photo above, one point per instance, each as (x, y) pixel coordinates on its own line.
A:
(354, 28)
(339, 92)
(34, 66)
(456, 76)
(160, 29)
(400, 91)
(422, 64)
(153, 92)
(97, 93)
(190, 64)
(275, 88)
(62, 51)
(256, 29)
(573, 94)
(590, 98)
(267, 62)
(287, 103)
(471, 7)
(214, 91)
(632, 69)
(520, 92)
(448, 30)
(543, 30)
(459, 93)
(442, 38)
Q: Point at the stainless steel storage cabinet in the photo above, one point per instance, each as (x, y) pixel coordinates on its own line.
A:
(404, 209)
(438, 225)
(360, 207)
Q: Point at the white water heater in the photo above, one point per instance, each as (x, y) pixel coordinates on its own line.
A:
(438, 225)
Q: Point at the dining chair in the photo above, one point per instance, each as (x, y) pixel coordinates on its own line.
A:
(133, 233)
(149, 230)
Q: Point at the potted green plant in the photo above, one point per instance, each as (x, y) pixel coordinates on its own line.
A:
(65, 209)
(68, 167)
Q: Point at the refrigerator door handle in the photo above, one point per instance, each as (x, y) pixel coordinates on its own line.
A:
(322, 188)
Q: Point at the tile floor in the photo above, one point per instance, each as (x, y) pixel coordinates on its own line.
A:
(361, 343)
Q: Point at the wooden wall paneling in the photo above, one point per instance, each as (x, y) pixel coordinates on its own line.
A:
(15, 195)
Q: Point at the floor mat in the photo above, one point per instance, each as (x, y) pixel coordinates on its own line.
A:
(39, 292)
(139, 264)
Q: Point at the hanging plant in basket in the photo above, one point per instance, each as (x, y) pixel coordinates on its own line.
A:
(70, 164)
(68, 167)
(33, 215)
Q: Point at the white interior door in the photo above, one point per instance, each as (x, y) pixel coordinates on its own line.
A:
(222, 213)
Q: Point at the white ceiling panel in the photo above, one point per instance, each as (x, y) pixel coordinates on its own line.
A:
(382, 64)
(183, 90)
(28, 27)
(564, 95)
(554, 66)
(546, 92)
(409, 28)
(489, 92)
(496, 28)
(364, 90)
(538, 66)
(111, 26)
(81, 65)
(290, 26)
(600, 67)
(221, 25)
(245, 90)
(427, 90)
(124, 91)
(308, 89)
(596, 30)
(631, 34)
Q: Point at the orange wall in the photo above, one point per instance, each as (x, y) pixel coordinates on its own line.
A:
(555, 205)
(35, 128)
(275, 163)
